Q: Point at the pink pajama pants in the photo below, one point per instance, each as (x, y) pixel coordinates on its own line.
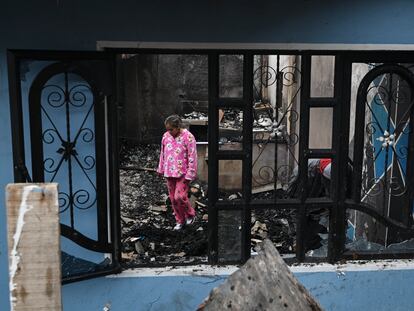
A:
(178, 193)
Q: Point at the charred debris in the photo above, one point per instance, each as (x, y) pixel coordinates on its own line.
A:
(146, 214)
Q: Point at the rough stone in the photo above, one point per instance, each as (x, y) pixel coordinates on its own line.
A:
(263, 283)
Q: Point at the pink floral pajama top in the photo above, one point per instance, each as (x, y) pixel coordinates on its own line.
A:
(178, 156)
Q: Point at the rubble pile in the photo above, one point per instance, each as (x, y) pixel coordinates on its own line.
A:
(147, 218)
(232, 118)
(146, 214)
(230, 125)
(196, 115)
(275, 225)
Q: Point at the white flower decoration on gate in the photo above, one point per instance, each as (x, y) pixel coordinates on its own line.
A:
(387, 140)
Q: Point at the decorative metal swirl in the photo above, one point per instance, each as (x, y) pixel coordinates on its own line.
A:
(67, 97)
(48, 136)
(89, 162)
(281, 116)
(50, 165)
(63, 202)
(266, 175)
(377, 186)
(378, 95)
(293, 115)
(87, 135)
(291, 75)
(401, 152)
(82, 199)
(55, 95)
(396, 188)
(401, 95)
(77, 96)
(372, 187)
(292, 139)
(267, 75)
(371, 128)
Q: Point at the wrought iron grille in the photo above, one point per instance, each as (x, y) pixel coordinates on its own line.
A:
(278, 121)
(66, 143)
(68, 147)
(383, 137)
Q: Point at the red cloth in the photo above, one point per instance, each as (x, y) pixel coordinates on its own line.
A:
(323, 163)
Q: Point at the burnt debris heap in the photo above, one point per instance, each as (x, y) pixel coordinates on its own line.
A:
(146, 214)
(147, 219)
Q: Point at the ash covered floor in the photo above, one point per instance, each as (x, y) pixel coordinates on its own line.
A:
(147, 219)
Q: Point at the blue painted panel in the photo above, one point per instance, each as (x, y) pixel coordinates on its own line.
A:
(53, 117)
(77, 25)
(364, 290)
(6, 173)
(81, 120)
(145, 293)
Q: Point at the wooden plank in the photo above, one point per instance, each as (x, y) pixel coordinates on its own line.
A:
(263, 283)
(34, 246)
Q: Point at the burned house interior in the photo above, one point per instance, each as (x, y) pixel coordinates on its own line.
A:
(310, 150)
(153, 86)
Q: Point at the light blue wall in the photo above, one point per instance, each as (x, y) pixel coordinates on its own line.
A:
(368, 291)
(6, 171)
(78, 24)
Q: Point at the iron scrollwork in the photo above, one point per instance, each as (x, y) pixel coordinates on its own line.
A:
(66, 97)
(275, 123)
(388, 107)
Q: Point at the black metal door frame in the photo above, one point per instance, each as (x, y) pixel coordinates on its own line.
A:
(303, 204)
(337, 203)
(21, 174)
(245, 155)
(334, 203)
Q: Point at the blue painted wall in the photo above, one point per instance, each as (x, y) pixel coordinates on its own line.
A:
(78, 24)
(368, 290)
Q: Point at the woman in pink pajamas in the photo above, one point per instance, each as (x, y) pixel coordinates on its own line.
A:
(178, 163)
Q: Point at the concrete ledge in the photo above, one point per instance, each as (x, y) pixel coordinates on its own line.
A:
(101, 45)
(207, 270)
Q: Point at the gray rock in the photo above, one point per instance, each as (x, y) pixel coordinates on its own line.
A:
(263, 283)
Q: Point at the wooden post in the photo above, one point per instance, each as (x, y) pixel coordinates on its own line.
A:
(34, 246)
(263, 283)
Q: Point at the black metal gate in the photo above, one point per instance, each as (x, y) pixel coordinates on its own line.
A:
(363, 207)
(72, 117)
(383, 156)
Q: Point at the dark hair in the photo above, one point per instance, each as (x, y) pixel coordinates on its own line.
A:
(174, 120)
